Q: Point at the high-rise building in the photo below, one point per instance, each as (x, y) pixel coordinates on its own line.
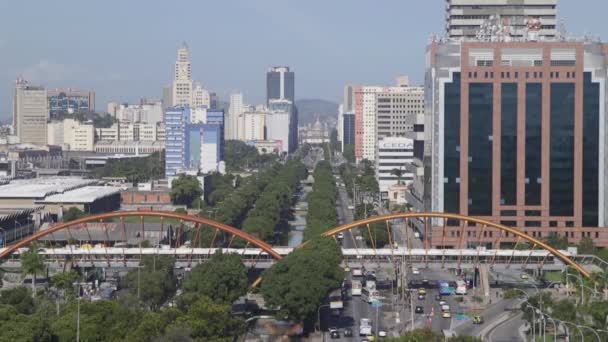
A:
(253, 123)
(68, 101)
(71, 135)
(365, 122)
(182, 82)
(280, 84)
(176, 122)
(464, 18)
(30, 113)
(234, 112)
(517, 138)
(200, 97)
(146, 112)
(348, 129)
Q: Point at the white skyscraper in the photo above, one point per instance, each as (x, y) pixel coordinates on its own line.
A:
(30, 113)
(182, 82)
(234, 112)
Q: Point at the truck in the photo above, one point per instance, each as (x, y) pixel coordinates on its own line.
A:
(365, 327)
(356, 287)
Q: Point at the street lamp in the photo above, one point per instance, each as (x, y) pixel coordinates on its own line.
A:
(20, 231)
(3, 237)
(592, 330)
(577, 327)
(581, 281)
(319, 315)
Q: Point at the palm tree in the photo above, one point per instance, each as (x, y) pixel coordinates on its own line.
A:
(398, 173)
(32, 263)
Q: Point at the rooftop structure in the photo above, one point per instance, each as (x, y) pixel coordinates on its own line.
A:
(85, 194)
(39, 188)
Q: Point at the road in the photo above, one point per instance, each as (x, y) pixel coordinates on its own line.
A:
(508, 331)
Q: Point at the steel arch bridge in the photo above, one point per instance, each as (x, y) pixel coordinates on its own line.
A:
(102, 233)
(464, 225)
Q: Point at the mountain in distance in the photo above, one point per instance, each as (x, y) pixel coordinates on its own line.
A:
(310, 109)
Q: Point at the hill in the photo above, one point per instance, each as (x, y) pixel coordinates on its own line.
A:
(309, 109)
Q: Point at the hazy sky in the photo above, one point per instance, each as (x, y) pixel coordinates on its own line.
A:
(125, 50)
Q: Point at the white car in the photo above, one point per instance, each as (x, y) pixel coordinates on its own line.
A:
(415, 270)
(442, 303)
(382, 333)
(340, 236)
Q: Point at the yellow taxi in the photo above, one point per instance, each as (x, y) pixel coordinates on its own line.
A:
(421, 291)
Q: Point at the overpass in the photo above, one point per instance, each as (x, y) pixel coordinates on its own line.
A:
(119, 257)
(185, 239)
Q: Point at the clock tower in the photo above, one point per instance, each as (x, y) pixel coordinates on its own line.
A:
(182, 81)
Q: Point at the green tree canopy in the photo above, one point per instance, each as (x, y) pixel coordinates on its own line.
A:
(298, 283)
(185, 189)
(223, 278)
(32, 263)
(73, 213)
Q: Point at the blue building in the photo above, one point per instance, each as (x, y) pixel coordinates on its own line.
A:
(348, 129)
(176, 122)
(193, 147)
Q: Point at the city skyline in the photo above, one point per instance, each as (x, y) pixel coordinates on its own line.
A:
(135, 59)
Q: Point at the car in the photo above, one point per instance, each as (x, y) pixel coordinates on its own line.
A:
(421, 297)
(446, 314)
(477, 320)
(439, 298)
(382, 333)
(442, 303)
(415, 270)
(445, 308)
(348, 332)
(340, 236)
(357, 272)
(419, 309)
(524, 275)
(334, 334)
(421, 291)
(425, 282)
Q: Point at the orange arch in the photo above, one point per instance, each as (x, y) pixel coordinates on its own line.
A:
(188, 218)
(487, 223)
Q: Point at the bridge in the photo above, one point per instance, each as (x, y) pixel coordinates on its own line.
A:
(105, 241)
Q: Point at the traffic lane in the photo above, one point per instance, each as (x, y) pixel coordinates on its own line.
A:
(489, 315)
(508, 331)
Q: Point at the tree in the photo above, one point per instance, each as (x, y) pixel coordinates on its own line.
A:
(64, 280)
(557, 242)
(333, 140)
(397, 173)
(585, 246)
(185, 189)
(223, 278)
(73, 213)
(208, 321)
(19, 298)
(297, 284)
(32, 263)
(349, 153)
(134, 169)
(154, 282)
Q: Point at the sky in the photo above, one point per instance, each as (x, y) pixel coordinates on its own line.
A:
(126, 50)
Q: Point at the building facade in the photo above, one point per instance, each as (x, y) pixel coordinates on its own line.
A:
(365, 122)
(200, 97)
(348, 129)
(68, 101)
(30, 113)
(234, 112)
(393, 156)
(394, 108)
(464, 18)
(518, 137)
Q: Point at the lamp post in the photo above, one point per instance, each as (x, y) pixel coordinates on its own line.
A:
(577, 328)
(572, 275)
(599, 339)
(533, 321)
(3, 237)
(319, 315)
(20, 231)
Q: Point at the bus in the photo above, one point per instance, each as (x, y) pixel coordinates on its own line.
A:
(356, 287)
(335, 300)
(370, 295)
(444, 288)
(461, 287)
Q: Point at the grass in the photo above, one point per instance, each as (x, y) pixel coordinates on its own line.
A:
(554, 276)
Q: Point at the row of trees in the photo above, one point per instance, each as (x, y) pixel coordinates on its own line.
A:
(136, 170)
(321, 202)
(269, 218)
